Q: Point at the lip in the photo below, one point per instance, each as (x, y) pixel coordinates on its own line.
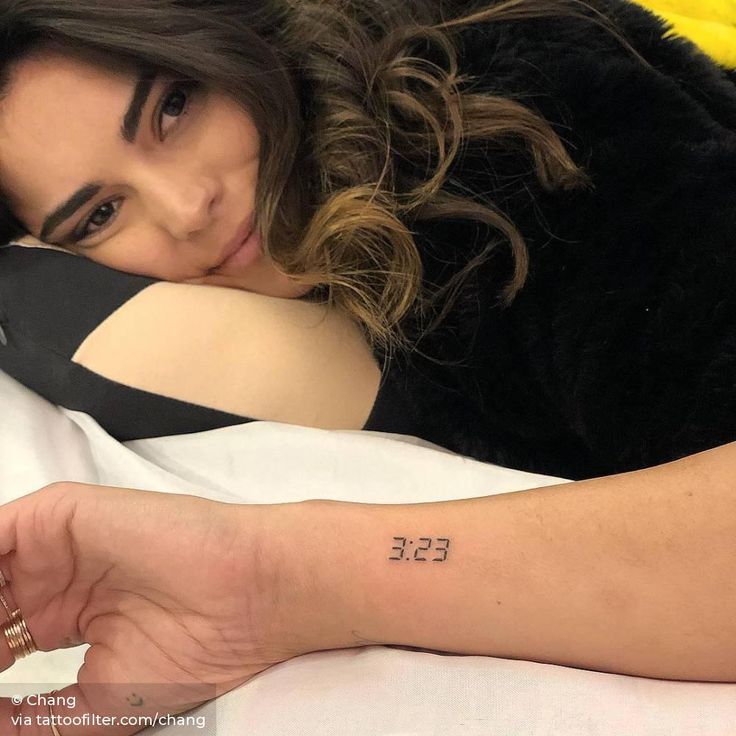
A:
(243, 234)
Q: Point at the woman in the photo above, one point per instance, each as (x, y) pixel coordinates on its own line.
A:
(557, 173)
(456, 189)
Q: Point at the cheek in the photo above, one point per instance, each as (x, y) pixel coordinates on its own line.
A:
(237, 136)
(241, 150)
(145, 253)
(252, 141)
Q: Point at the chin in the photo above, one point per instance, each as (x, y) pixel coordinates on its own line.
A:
(274, 284)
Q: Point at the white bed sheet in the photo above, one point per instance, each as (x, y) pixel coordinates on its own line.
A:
(371, 691)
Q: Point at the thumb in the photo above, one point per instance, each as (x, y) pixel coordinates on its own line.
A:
(36, 567)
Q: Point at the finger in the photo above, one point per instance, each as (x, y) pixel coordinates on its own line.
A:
(13, 513)
(26, 627)
(50, 625)
(33, 578)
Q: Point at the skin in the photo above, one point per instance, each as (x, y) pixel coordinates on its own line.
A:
(91, 564)
(171, 201)
(570, 574)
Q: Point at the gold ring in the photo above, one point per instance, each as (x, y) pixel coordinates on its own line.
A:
(18, 637)
(54, 730)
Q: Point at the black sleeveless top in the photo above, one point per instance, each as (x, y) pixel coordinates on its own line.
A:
(51, 301)
(620, 350)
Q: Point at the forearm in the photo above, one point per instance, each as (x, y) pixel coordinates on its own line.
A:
(633, 574)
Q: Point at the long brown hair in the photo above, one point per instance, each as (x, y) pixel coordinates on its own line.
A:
(340, 94)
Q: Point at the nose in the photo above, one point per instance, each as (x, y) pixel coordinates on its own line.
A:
(185, 205)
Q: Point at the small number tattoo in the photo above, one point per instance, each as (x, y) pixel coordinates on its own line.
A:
(442, 546)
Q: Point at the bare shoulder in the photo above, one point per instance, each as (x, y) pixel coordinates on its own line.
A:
(257, 356)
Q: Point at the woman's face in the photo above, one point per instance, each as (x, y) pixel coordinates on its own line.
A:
(166, 198)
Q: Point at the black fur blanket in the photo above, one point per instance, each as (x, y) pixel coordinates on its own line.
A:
(620, 352)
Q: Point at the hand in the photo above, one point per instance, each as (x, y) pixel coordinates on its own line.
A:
(177, 596)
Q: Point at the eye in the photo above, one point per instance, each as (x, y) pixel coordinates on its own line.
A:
(84, 232)
(174, 103)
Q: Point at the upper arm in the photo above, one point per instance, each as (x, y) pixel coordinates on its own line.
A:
(238, 352)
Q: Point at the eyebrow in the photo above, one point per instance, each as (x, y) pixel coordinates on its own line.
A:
(128, 132)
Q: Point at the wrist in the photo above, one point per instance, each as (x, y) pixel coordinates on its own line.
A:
(313, 583)
(347, 581)
(389, 574)
(355, 574)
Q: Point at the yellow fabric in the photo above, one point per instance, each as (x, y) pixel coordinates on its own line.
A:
(710, 24)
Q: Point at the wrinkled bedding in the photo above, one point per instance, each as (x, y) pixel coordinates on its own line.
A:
(374, 691)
